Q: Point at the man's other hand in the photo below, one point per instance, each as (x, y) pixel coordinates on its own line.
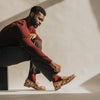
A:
(56, 67)
(32, 36)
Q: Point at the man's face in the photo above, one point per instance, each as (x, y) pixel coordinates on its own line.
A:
(37, 19)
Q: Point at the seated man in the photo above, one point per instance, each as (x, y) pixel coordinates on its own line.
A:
(19, 42)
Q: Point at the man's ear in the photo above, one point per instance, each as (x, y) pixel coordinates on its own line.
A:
(32, 14)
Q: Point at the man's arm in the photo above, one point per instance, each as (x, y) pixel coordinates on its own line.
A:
(28, 44)
(33, 50)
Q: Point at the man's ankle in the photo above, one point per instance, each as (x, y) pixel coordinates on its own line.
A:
(56, 78)
(32, 77)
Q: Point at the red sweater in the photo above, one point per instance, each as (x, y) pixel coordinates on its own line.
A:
(17, 34)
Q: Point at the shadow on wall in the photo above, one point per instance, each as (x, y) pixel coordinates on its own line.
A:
(92, 84)
(95, 5)
(46, 4)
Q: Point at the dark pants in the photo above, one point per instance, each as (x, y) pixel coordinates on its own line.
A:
(15, 55)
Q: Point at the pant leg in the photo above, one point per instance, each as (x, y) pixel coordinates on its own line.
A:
(33, 68)
(45, 69)
(12, 55)
(36, 66)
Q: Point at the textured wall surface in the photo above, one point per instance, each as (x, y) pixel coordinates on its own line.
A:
(71, 38)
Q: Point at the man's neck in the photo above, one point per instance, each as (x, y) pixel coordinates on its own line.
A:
(28, 22)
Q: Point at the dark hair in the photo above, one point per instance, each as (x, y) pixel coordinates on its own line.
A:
(37, 9)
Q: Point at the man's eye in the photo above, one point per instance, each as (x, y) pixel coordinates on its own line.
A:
(40, 19)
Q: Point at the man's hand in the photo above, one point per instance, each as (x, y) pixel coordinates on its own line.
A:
(32, 36)
(56, 67)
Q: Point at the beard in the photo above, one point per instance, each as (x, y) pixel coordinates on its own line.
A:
(33, 22)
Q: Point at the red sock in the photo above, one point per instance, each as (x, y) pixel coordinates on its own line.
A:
(32, 77)
(56, 78)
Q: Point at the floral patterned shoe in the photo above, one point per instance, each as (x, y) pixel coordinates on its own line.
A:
(29, 83)
(57, 85)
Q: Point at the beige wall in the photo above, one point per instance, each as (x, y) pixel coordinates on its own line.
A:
(70, 34)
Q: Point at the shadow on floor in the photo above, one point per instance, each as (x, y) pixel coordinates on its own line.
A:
(25, 90)
(92, 84)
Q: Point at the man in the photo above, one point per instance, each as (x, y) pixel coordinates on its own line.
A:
(20, 42)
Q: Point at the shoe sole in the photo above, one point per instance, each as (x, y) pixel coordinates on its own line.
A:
(33, 86)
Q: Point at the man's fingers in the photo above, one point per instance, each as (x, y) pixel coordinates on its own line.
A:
(57, 69)
(32, 36)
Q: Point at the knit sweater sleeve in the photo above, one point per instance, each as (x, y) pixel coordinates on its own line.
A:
(28, 44)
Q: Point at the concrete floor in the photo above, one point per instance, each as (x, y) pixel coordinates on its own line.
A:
(72, 93)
